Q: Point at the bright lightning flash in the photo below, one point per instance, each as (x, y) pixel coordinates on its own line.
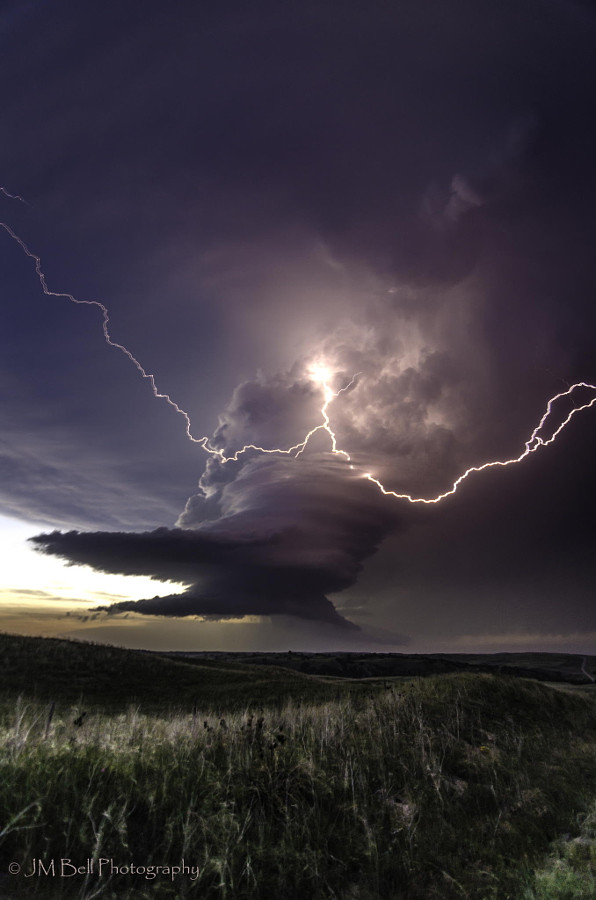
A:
(320, 374)
(534, 443)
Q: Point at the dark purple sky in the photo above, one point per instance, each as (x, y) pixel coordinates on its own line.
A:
(403, 190)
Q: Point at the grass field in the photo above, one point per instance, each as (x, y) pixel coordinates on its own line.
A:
(271, 784)
(554, 667)
(112, 678)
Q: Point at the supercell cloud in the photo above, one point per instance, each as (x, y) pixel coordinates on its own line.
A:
(396, 192)
(287, 533)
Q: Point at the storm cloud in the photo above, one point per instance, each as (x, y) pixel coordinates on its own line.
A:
(397, 194)
(288, 533)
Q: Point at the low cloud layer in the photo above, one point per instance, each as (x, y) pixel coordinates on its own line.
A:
(288, 533)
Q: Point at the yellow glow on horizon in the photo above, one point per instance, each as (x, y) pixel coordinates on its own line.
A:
(27, 575)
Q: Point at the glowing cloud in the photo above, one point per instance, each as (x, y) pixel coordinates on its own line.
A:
(320, 373)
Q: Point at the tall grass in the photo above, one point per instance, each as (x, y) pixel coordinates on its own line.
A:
(570, 870)
(451, 787)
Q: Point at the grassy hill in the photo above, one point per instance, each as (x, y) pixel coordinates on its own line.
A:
(452, 788)
(559, 667)
(50, 669)
(286, 785)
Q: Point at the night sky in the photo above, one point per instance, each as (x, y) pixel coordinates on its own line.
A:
(276, 201)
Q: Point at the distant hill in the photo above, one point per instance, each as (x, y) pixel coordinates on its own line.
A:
(64, 671)
(558, 667)
(75, 672)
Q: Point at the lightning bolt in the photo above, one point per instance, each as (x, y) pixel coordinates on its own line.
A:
(203, 442)
(329, 395)
(534, 443)
(12, 196)
(105, 322)
(319, 374)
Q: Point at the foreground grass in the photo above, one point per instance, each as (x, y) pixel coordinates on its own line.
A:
(570, 871)
(451, 788)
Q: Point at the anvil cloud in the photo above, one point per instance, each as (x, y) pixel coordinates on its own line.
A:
(287, 533)
(396, 190)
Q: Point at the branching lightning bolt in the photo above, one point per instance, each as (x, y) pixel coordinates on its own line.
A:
(203, 442)
(534, 443)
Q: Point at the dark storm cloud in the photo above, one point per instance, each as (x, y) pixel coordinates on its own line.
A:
(397, 190)
(246, 593)
(288, 532)
(275, 411)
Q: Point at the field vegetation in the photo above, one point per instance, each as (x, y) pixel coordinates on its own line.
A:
(571, 668)
(453, 786)
(112, 678)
